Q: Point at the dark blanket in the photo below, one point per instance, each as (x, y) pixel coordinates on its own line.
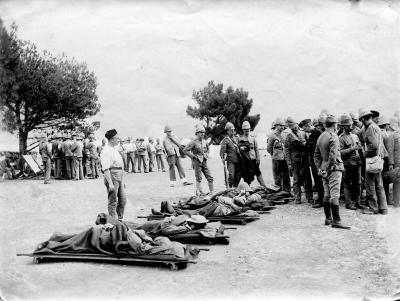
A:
(117, 240)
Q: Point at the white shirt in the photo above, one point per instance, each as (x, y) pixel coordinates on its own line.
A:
(110, 157)
(130, 147)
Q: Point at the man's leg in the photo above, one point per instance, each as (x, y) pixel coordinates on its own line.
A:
(335, 179)
(347, 186)
(47, 163)
(80, 169)
(307, 182)
(121, 200)
(356, 188)
(296, 182)
(171, 164)
(285, 175)
(385, 183)
(380, 193)
(181, 172)
(318, 184)
(231, 171)
(327, 202)
(371, 192)
(396, 194)
(112, 198)
(197, 174)
(207, 174)
(158, 162)
(276, 173)
(68, 167)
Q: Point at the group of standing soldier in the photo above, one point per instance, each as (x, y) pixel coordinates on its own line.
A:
(336, 152)
(69, 156)
(140, 155)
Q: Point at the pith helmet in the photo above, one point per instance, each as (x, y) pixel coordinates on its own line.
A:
(383, 121)
(229, 126)
(279, 121)
(364, 113)
(199, 128)
(245, 125)
(167, 128)
(345, 119)
(354, 116)
(197, 219)
(331, 119)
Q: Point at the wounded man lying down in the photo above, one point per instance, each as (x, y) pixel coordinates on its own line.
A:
(112, 239)
(171, 225)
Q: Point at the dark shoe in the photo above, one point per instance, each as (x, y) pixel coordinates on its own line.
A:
(336, 222)
(155, 212)
(361, 207)
(311, 201)
(351, 207)
(383, 211)
(328, 215)
(369, 211)
(316, 205)
(298, 202)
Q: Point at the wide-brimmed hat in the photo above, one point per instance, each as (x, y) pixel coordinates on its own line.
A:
(383, 121)
(304, 122)
(345, 119)
(364, 113)
(279, 121)
(331, 119)
(197, 219)
(229, 126)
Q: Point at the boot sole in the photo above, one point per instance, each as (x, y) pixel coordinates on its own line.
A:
(341, 227)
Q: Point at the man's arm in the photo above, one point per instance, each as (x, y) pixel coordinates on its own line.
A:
(333, 150)
(270, 144)
(188, 149)
(317, 157)
(344, 152)
(287, 151)
(372, 138)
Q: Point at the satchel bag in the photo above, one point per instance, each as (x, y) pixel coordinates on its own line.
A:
(374, 164)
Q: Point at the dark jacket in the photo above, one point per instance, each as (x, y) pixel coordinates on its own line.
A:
(230, 148)
(294, 147)
(275, 147)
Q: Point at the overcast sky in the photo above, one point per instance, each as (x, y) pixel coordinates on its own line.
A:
(294, 57)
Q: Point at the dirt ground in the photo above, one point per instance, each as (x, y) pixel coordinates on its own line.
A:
(288, 254)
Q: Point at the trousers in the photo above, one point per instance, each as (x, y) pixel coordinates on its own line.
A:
(57, 168)
(234, 172)
(352, 184)
(78, 168)
(302, 176)
(280, 173)
(375, 192)
(117, 197)
(202, 168)
(332, 187)
(131, 160)
(69, 168)
(142, 161)
(47, 169)
(173, 161)
(160, 162)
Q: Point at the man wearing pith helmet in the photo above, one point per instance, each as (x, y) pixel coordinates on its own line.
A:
(248, 146)
(372, 138)
(198, 151)
(275, 149)
(229, 154)
(350, 147)
(172, 148)
(112, 166)
(330, 166)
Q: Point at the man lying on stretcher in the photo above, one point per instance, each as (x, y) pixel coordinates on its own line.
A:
(171, 225)
(234, 201)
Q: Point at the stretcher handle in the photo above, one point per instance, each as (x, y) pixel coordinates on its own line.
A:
(230, 228)
(204, 249)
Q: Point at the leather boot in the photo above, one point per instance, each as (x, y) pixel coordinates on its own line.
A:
(211, 187)
(169, 208)
(317, 204)
(163, 209)
(336, 222)
(261, 181)
(327, 211)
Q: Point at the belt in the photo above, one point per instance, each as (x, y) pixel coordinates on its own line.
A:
(115, 168)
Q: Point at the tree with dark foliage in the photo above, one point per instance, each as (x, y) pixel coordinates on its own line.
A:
(216, 107)
(39, 90)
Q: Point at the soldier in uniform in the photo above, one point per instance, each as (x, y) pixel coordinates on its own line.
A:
(312, 135)
(45, 152)
(330, 166)
(384, 124)
(151, 150)
(137, 158)
(159, 155)
(130, 152)
(143, 155)
(297, 161)
(77, 150)
(112, 165)
(66, 148)
(172, 148)
(372, 137)
(198, 151)
(248, 143)
(350, 146)
(57, 154)
(93, 156)
(229, 153)
(280, 169)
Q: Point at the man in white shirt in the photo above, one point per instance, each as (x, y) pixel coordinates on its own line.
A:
(112, 166)
(130, 148)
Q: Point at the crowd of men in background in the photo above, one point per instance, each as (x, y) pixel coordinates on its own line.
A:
(71, 156)
(292, 146)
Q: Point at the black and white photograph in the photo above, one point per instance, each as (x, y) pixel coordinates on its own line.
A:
(200, 150)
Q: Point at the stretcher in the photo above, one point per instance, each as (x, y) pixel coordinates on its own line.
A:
(170, 261)
(282, 201)
(229, 219)
(197, 238)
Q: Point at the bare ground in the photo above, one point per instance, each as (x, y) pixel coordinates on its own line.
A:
(288, 254)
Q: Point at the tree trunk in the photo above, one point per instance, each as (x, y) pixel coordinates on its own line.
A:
(23, 137)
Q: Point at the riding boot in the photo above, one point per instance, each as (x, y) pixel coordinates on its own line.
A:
(336, 222)
(327, 210)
